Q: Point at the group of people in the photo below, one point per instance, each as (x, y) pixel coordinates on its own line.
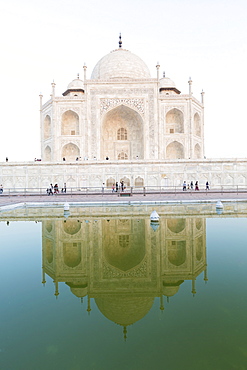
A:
(118, 186)
(190, 186)
(54, 189)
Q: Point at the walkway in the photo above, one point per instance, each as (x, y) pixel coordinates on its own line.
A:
(180, 197)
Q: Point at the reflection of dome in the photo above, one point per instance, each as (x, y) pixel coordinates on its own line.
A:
(170, 289)
(120, 63)
(79, 290)
(124, 310)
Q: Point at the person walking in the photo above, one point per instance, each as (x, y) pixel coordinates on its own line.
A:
(207, 185)
(196, 186)
(191, 185)
(116, 187)
(184, 186)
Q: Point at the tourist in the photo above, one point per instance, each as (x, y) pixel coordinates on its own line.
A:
(7, 159)
(207, 185)
(196, 186)
(1, 189)
(103, 187)
(64, 159)
(122, 185)
(191, 185)
(113, 188)
(107, 158)
(64, 188)
(116, 187)
(56, 189)
(184, 186)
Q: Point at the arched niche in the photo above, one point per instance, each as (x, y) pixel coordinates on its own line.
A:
(47, 154)
(176, 225)
(177, 252)
(47, 127)
(199, 248)
(197, 125)
(124, 243)
(139, 182)
(70, 123)
(70, 152)
(174, 121)
(175, 150)
(72, 226)
(122, 134)
(126, 181)
(72, 254)
(109, 182)
(197, 152)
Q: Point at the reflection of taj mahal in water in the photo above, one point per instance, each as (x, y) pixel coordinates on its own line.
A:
(122, 263)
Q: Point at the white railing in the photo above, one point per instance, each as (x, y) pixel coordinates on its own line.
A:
(129, 190)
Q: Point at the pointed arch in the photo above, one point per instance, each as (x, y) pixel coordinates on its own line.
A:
(122, 134)
(175, 150)
(197, 151)
(70, 123)
(197, 125)
(47, 154)
(174, 121)
(70, 152)
(47, 127)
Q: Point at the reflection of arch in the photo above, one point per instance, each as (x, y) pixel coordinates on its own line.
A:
(139, 181)
(70, 123)
(122, 134)
(197, 151)
(47, 127)
(72, 226)
(72, 254)
(122, 248)
(48, 226)
(198, 223)
(48, 250)
(177, 252)
(122, 156)
(199, 248)
(176, 225)
(175, 150)
(197, 125)
(70, 152)
(47, 154)
(174, 121)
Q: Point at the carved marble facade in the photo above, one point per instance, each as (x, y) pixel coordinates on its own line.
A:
(123, 114)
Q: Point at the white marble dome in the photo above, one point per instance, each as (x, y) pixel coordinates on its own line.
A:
(166, 82)
(118, 64)
(75, 84)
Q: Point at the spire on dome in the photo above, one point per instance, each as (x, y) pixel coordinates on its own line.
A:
(120, 41)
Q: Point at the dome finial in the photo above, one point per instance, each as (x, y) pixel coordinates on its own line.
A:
(120, 41)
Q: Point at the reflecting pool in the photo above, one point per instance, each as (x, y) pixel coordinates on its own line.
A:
(108, 290)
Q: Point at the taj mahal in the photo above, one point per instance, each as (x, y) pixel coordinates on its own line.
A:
(122, 113)
(122, 124)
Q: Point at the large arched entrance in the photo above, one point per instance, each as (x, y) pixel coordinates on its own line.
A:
(122, 134)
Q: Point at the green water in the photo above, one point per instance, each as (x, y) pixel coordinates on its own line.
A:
(118, 295)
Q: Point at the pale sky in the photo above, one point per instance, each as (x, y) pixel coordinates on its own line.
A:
(48, 40)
